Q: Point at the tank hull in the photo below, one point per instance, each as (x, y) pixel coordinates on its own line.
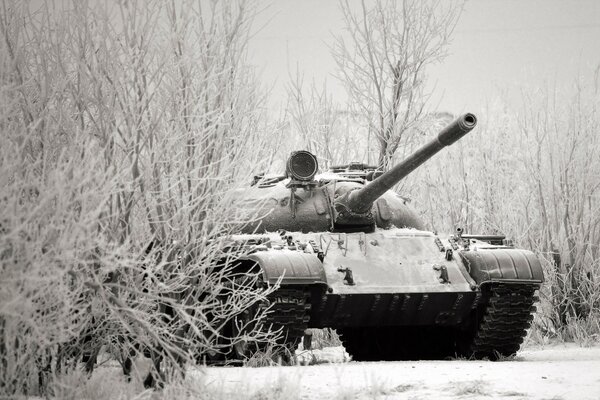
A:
(471, 298)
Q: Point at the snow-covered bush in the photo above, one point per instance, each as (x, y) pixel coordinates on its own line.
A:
(122, 125)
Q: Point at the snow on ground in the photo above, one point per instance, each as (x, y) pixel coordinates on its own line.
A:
(556, 372)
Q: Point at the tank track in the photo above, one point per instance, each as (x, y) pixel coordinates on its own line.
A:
(290, 310)
(504, 324)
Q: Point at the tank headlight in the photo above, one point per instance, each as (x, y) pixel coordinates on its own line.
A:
(302, 165)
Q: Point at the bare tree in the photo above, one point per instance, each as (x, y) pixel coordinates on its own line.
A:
(321, 126)
(564, 172)
(532, 174)
(382, 61)
(127, 130)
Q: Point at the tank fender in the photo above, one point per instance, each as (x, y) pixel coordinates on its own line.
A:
(503, 265)
(294, 267)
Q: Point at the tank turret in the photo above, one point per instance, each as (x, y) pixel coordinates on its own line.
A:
(346, 199)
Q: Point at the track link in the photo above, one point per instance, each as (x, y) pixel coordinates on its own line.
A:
(507, 317)
(290, 310)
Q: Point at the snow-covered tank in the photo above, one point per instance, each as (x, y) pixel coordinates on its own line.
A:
(350, 254)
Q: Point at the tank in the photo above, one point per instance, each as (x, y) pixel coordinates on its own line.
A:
(349, 253)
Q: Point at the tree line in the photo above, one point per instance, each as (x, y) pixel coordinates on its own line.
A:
(129, 129)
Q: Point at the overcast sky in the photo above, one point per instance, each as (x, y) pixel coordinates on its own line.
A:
(499, 47)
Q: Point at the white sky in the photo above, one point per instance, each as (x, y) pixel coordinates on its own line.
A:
(499, 47)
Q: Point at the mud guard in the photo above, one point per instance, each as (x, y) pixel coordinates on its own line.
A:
(503, 265)
(294, 267)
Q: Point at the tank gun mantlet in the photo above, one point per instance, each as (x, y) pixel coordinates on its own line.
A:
(342, 208)
(348, 217)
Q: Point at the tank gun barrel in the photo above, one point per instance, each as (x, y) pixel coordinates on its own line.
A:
(362, 199)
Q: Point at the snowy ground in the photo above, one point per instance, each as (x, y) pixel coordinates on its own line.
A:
(557, 372)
